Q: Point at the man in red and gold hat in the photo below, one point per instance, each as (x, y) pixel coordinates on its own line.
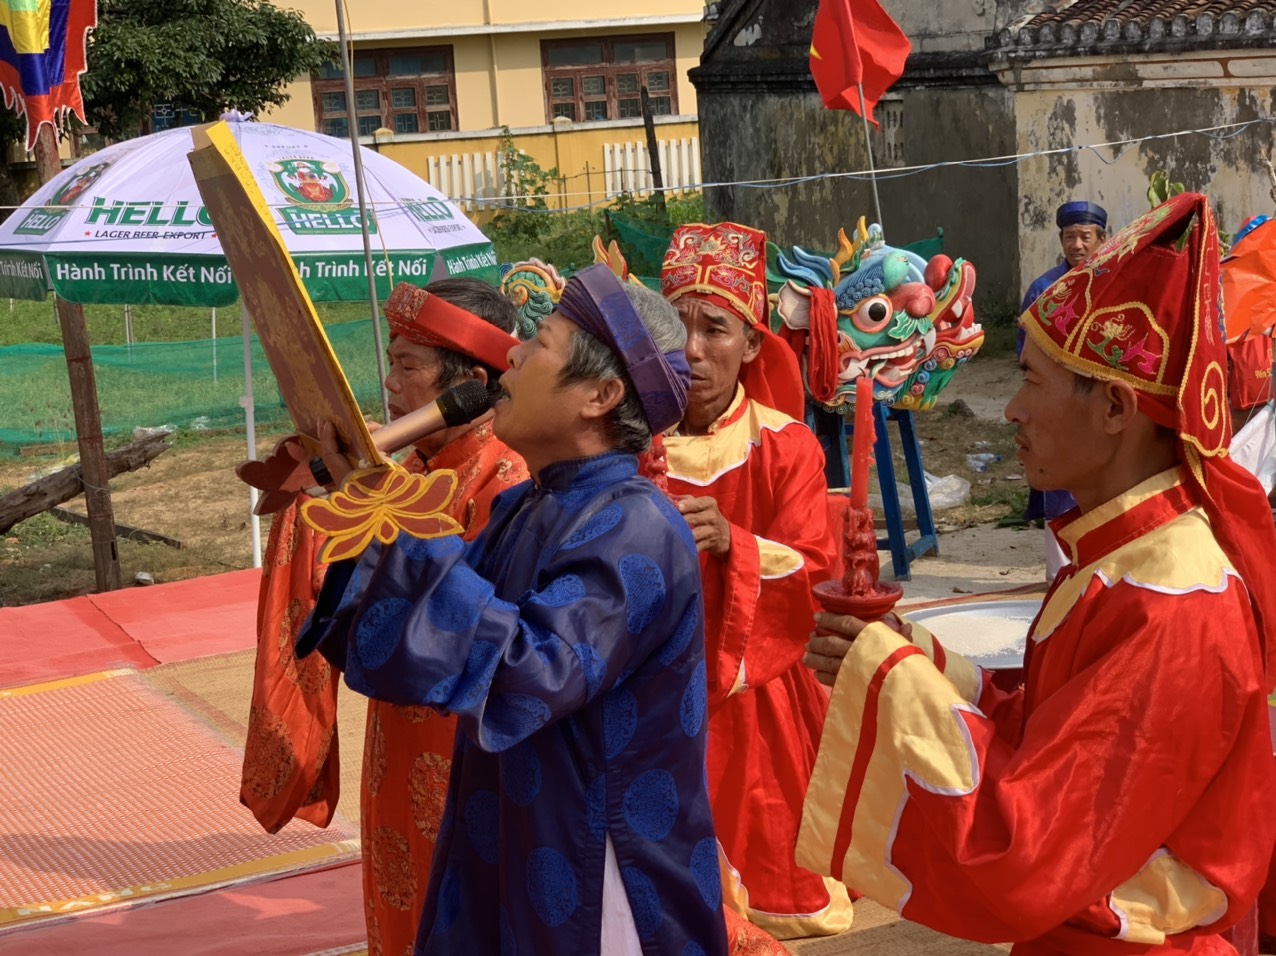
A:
(451, 331)
(749, 478)
(1120, 801)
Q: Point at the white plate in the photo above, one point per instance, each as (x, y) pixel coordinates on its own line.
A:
(993, 634)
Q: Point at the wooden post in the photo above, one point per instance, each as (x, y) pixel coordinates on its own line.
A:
(653, 151)
(88, 419)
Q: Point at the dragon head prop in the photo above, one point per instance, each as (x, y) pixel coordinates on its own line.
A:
(873, 309)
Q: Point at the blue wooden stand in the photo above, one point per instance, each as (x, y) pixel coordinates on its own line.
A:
(833, 430)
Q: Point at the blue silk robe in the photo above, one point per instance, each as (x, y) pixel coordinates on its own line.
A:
(568, 640)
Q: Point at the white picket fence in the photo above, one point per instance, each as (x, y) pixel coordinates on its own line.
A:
(475, 182)
(627, 166)
(468, 178)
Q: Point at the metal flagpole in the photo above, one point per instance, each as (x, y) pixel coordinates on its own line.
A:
(361, 191)
(868, 144)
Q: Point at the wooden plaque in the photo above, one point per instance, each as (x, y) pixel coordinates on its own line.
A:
(310, 379)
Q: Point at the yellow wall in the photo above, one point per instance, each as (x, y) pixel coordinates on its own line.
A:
(519, 87)
(546, 11)
(374, 16)
(299, 111)
(472, 63)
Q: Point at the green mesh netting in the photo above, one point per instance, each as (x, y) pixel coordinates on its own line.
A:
(643, 243)
(189, 385)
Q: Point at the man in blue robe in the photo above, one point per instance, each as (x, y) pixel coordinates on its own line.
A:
(1082, 227)
(568, 640)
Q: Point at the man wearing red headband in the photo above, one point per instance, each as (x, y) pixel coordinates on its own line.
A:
(1120, 801)
(440, 336)
(749, 478)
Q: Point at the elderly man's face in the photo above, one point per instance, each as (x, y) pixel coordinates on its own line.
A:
(537, 412)
(1078, 242)
(413, 382)
(718, 343)
(413, 377)
(1062, 443)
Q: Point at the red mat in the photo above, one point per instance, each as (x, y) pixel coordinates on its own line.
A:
(125, 796)
(188, 619)
(134, 627)
(310, 913)
(307, 913)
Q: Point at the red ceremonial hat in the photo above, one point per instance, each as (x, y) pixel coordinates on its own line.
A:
(428, 319)
(725, 265)
(1144, 309)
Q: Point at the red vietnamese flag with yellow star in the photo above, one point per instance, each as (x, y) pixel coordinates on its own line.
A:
(855, 42)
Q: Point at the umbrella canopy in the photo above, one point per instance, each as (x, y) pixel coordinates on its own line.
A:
(126, 225)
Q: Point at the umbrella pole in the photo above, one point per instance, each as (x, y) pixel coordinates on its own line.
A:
(362, 192)
(250, 420)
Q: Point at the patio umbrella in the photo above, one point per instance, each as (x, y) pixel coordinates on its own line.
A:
(126, 226)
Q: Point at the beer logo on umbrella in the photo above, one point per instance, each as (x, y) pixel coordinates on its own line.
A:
(71, 191)
(317, 186)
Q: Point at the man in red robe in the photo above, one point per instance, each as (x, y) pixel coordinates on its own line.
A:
(749, 478)
(1120, 801)
(456, 329)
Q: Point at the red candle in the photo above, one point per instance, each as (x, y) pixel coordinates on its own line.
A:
(862, 446)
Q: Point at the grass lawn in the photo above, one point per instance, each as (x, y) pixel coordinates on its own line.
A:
(35, 322)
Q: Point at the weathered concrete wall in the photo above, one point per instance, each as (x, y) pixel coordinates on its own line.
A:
(955, 25)
(759, 135)
(1080, 102)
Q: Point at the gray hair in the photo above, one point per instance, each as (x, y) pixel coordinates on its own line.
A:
(590, 360)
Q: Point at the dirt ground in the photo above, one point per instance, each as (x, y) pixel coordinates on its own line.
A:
(191, 494)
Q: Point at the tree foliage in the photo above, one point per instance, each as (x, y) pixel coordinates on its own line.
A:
(205, 55)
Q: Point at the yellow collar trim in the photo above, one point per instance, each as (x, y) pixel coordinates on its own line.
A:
(1071, 533)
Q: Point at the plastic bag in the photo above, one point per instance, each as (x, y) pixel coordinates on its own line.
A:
(1254, 446)
(951, 491)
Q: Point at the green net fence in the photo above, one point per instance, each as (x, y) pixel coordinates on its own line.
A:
(187, 385)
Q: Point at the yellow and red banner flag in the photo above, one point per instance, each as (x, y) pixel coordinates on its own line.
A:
(855, 43)
(43, 52)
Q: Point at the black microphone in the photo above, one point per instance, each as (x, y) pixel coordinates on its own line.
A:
(459, 405)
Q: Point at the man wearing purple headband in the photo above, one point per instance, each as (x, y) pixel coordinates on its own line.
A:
(568, 640)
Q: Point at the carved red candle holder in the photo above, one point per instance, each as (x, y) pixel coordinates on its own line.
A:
(861, 592)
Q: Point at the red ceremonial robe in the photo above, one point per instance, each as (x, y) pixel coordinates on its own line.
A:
(766, 472)
(290, 759)
(1118, 803)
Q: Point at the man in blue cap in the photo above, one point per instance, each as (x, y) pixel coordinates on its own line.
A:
(1082, 227)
